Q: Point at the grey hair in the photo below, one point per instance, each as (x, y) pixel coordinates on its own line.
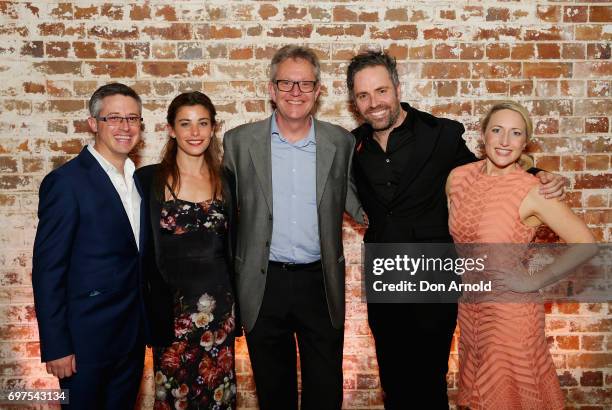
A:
(107, 90)
(294, 52)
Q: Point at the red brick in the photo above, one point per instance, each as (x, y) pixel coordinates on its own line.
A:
(595, 200)
(496, 70)
(600, 51)
(175, 31)
(469, 13)
(111, 11)
(601, 107)
(547, 70)
(58, 49)
(522, 52)
(59, 67)
(573, 51)
(593, 181)
(33, 88)
(59, 88)
(208, 32)
(297, 13)
(597, 88)
(399, 32)
(14, 30)
(450, 70)
(566, 379)
(592, 32)
(337, 30)
(240, 53)
(597, 162)
(471, 52)
(554, 33)
(498, 14)
(448, 14)
(166, 68)
(575, 14)
(597, 145)
(84, 50)
(548, 51)
(140, 12)
(33, 49)
(137, 50)
(423, 52)
(402, 52)
(597, 125)
(399, 14)
(113, 69)
(255, 106)
(498, 51)
(446, 88)
(600, 14)
(548, 162)
(495, 34)
(266, 11)
(8, 164)
(568, 342)
(447, 52)
(521, 87)
(62, 11)
(572, 162)
(107, 33)
(85, 13)
(599, 69)
(549, 14)
(591, 379)
(166, 12)
(110, 49)
(164, 51)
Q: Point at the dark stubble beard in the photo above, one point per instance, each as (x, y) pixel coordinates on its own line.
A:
(392, 118)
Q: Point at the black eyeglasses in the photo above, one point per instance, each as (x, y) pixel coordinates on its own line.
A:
(303, 86)
(117, 119)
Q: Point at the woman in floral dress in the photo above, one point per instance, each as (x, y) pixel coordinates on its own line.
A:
(188, 265)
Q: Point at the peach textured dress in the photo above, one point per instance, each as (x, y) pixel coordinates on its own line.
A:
(504, 361)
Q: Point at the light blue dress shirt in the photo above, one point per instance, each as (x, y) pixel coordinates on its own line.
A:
(295, 228)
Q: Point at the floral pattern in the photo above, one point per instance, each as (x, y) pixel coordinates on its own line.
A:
(196, 371)
(179, 216)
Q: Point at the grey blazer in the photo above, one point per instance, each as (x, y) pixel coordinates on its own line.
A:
(247, 161)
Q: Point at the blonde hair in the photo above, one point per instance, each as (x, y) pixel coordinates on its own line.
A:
(512, 106)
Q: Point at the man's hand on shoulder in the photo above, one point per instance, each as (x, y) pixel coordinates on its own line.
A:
(552, 185)
(62, 367)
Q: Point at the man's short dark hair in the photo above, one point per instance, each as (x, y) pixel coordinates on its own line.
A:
(370, 59)
(95, 102)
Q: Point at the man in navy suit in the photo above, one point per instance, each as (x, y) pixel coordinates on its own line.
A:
(86, 274)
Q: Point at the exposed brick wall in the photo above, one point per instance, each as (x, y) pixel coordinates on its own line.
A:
(455, 58)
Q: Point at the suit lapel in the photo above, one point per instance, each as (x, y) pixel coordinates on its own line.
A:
(143, 215)
(261, 156)
(104, 187)
(325, 158)
(426, 136)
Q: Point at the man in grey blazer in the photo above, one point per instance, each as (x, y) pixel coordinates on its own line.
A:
(291, 183)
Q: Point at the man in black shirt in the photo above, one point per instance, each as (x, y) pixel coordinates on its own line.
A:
(402, 159)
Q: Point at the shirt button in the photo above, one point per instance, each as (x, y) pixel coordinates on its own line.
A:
(388, 183)
(387, 160)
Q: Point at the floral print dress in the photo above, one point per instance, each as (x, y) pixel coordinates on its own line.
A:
(196, 371)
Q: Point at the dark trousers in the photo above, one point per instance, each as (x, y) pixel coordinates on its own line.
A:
(412, 347)
(294, 307)
(109, 386)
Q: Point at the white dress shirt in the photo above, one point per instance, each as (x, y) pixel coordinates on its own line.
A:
(125, 187)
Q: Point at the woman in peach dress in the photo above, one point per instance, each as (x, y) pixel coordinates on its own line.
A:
(504, 362)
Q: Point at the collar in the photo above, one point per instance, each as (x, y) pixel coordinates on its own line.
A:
(310, 138)
(128, 168)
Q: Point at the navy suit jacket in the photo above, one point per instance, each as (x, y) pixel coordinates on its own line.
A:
(86, 270)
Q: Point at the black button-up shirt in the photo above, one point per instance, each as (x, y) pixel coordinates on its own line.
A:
(385, 169)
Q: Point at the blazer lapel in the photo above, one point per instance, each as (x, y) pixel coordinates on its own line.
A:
(261, 156)
(427, 136)
(143, 215)
(325, 158)
(105, 187)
